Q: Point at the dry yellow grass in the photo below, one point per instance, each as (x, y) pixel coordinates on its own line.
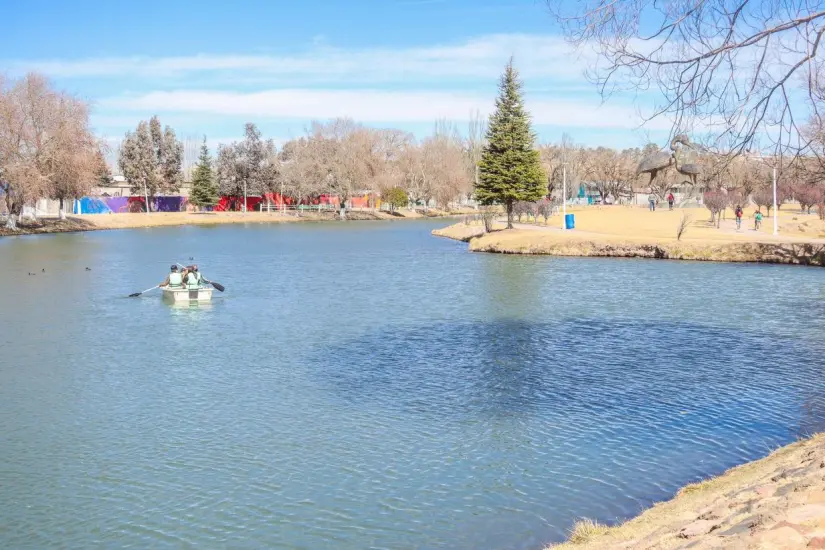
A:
(635, 232)
(586, 530)
(633, 222)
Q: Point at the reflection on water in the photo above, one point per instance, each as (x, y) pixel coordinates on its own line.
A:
(368, 385)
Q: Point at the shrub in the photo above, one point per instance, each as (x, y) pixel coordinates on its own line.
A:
(545, 209)
(808, 196)
(682, 227)
(395, 197)
(716, 201)
(586, 530)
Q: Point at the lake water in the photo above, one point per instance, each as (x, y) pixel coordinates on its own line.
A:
(367, 385)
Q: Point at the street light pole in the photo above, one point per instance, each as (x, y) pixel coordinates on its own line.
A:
(775, 209)
(563, 195)
(146, 196)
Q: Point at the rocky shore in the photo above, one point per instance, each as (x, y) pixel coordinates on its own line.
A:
(572, 243)
(774, 503)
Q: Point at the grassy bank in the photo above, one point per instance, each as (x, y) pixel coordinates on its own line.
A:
(93, 222)
(635, 232)
(776, 502)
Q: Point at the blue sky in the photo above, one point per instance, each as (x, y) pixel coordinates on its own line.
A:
(209, 67)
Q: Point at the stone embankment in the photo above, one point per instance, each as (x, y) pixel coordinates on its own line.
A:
(770, 504)
(557, 243)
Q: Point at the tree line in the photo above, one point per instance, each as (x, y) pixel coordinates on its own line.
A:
(47, 150)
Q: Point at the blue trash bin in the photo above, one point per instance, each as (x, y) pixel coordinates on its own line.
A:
(569, 221)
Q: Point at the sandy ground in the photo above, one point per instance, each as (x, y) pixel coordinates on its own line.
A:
(91, 222)
(777, 502)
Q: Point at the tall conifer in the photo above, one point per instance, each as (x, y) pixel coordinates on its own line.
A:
(510, 169)
(204, 187)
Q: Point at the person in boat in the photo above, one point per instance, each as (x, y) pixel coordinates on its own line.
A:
(193, 279)
(173, 280)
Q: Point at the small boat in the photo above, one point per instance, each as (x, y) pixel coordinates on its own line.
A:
(182, 295)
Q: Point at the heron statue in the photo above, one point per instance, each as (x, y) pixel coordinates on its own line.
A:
(678, 157)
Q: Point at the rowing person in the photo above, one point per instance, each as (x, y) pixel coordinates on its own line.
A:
(194, 279)
(174, 279)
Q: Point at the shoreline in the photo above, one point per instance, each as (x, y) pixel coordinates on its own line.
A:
(75, 223)
(774, 502)
(554, 242)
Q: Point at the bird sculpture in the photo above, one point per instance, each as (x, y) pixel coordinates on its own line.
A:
(678, 157)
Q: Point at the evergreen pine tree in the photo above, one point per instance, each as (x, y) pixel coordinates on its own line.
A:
(204, 187)
(510, 169)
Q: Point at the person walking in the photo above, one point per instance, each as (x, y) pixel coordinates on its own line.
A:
(738, 212)
(757, 220)
(651, 200)
(670, 201)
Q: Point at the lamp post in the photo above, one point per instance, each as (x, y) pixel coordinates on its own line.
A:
(564, 195)
(563, 182)
(775, 209)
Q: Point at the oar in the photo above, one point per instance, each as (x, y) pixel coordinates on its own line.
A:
(136, 294)
(218, 286)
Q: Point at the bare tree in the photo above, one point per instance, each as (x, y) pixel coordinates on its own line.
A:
(444, 152)
(734, 67)
(302, 171)
(716, 202)
(808, 196)
(248, 167)
(747, 175)
(228, 174)
(684, 222)
(151, 159)
(347, 153)
(137, 161)
(563, 161)
(415, 174)
(611, 173)
(545, 209)
(474, 144)
(46, 145)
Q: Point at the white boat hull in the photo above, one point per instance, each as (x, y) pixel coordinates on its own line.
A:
(181, 295)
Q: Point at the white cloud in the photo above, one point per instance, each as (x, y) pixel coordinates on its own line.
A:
(375, 106)
(537, 56)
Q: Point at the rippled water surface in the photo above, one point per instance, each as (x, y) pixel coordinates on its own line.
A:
(367, 385)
